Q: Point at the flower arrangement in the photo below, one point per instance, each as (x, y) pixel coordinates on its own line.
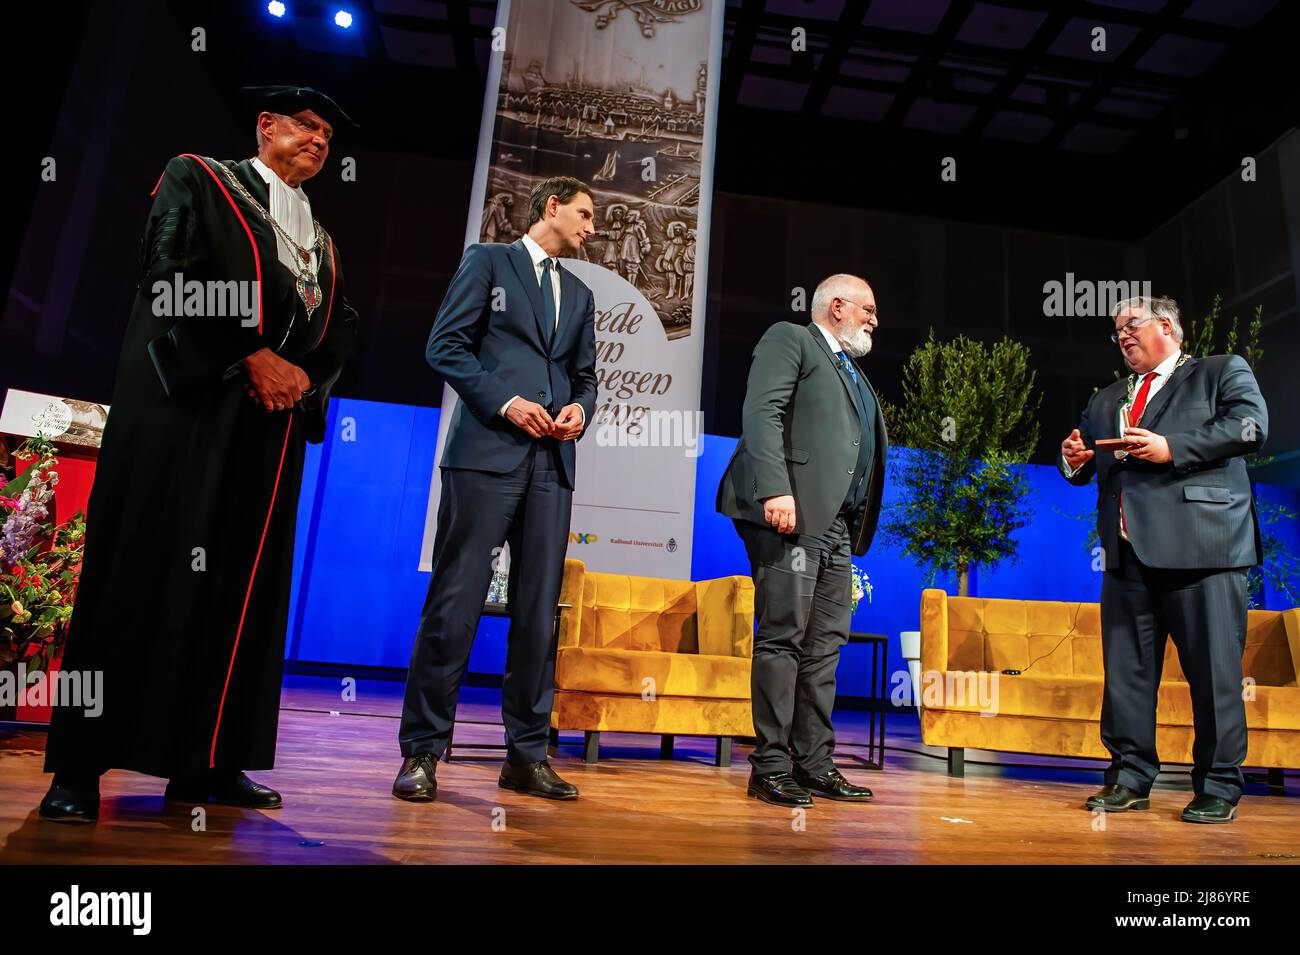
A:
(40, 562)
(861, 588)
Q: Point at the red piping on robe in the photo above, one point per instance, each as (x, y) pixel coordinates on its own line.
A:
(212, 754)
(330, 309)
(257, 259)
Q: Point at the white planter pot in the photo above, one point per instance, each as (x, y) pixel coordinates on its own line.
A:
(910, 641)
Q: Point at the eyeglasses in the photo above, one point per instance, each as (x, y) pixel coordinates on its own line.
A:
(871, 311)
(326, 134)
(1127, 328)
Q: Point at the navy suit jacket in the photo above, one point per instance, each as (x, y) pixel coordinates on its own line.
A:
(1197, 510)
(490, 343)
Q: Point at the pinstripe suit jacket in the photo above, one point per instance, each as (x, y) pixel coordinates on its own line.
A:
(1197, 510)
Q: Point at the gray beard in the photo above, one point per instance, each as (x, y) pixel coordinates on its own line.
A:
(857, 345)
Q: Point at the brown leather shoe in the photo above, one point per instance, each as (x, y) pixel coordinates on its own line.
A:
(536, 779)
(416, 781)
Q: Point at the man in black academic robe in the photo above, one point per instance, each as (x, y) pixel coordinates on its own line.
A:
(184, 591)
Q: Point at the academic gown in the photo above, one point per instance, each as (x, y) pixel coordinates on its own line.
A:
(184, 593)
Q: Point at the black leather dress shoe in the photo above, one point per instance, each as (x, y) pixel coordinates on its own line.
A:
(223, 788)
(832, 785)
(72, 798)
(1210, 809)
(536, 779)
(1116, 798)
(779, 789)
(415, 780)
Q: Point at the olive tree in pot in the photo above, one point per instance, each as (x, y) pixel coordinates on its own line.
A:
(967, 418)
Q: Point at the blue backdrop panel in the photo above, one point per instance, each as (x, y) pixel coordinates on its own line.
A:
(357, 591)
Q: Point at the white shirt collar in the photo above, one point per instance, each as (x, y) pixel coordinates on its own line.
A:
(269, 175)
(830, 339)
(288, 206)
(535, 251)
(1166, 367)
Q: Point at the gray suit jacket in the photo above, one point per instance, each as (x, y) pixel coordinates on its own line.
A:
(1196, 511)
(800, 437)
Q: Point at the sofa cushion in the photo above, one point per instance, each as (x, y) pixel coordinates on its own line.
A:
(626, 672)
(638, 613)
(1068, 698)
(1063, 639)
(993, 634)
(1268, 657)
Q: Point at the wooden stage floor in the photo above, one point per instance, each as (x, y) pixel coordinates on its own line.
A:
(335, 770)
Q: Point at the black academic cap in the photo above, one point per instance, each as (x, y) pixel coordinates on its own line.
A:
(294, 99)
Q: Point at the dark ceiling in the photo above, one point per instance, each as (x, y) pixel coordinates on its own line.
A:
(1047, 132)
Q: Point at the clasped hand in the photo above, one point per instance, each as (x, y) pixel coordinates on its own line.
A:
(537, 422)
(275, 383)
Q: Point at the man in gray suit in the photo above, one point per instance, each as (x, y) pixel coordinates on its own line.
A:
(804, 488)
(1179, 533)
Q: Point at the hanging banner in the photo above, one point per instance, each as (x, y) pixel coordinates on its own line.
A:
(621, 94)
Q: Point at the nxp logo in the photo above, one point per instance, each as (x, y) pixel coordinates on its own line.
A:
(576, 538)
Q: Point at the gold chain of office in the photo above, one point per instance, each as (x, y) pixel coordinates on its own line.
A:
(306, 283)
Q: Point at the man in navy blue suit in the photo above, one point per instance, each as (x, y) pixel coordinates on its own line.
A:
(516, 338)
(1179, 534)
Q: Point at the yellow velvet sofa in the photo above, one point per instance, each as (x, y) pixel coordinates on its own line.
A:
(647, 655)
(1054, 706)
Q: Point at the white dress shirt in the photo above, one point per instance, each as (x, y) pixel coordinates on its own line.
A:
(539, 256)
(1163, 371)
(290, 207)
(830, 339)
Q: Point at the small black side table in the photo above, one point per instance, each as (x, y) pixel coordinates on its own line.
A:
(878, 694)
(502, 610)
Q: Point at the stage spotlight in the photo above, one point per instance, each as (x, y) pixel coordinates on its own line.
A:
(343, 19)
(275, 8)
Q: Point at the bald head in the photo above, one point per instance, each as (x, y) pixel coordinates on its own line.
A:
(841, 285)
(845, 306)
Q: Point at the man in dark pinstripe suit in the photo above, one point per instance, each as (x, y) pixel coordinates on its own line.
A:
(1178, 529)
